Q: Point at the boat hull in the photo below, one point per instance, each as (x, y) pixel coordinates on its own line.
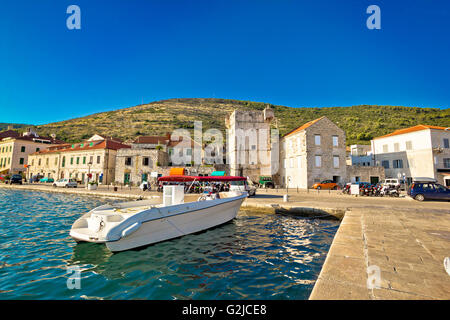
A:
(175, 226)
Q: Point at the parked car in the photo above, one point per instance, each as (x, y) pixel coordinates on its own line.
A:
(428, 191)
(326, 184)
(15, 178)
(266, 182)
(242, 186)
(47, 180)
(65, 183)
(393, 183)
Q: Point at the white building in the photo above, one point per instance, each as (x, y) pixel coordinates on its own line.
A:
(419, 151)
(360, 155)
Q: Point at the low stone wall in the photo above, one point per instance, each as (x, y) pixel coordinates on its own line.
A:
(364, 173)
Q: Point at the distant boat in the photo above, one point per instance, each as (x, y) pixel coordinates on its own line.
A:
(135, 224)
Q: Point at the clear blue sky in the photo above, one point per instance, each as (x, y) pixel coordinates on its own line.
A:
(294, 53)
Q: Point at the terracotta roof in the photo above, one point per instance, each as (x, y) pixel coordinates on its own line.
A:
(152, 140)
(411, 129)
(101, 144)
(303, 127)
(189, 141)
(9, 134)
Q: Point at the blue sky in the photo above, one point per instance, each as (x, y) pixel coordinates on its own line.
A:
(294, 53)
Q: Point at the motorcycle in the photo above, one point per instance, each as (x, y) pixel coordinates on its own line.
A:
(389, 191)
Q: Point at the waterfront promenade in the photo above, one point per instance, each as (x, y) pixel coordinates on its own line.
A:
(404, 239)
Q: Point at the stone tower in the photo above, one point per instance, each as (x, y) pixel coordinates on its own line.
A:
(249, 145)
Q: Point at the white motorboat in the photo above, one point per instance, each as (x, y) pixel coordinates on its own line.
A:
(135, 224)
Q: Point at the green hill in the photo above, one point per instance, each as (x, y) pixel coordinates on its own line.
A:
(15, 126)
(361, 123)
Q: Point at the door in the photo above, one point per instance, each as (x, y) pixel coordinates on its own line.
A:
(126, 178)
(429, 191)
(374, 180)
(442, 193)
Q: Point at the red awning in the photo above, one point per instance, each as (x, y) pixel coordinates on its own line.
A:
(179, 178)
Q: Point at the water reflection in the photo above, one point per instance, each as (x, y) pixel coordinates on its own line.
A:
(256, 256)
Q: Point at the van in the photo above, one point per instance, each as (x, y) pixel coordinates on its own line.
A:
(243, 186)
(394, 183)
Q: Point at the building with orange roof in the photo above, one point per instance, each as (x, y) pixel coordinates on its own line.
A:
(90, 160)
(311, 153)
(15, 149)
(418, 151)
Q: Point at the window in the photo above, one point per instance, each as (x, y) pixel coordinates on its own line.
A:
(22, 149)
(317, 139)
(64, 161)
(335, 141)
(385, 164)
(397, 164)
(446, 163)
(145, 162)
(56, 161)
(396, 147)
(318, 161)
(78, 160)
(408, 145)
(128, 161)
(21, 160)
(32, 162)
(446, 144)
(91, 159)
(385, 148)
(39, 162)
(46, 162)
(37, 149)
(299, 162)
(71, 160)
(84, 160)
(253, 147)
(188, 152)
(285, 163)
(98, 159)
(336, 161)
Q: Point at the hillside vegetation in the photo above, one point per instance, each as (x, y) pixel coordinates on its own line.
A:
(361, 123)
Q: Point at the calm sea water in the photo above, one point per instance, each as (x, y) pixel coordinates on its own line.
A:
(256, 256)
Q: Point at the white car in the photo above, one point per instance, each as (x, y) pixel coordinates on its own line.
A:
(394, 183)
(243, 186)
(65, 183)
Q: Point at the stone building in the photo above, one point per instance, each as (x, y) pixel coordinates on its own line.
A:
(94, 158)
(139, 164)
(16, 148)
(251, 149)
(415, 152)
(359, 173)
(311, 153)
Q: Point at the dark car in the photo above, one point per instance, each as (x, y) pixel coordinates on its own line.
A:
(15, 178)
(428, 191)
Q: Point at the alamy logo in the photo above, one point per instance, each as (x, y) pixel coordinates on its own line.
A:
(74, 280)
(374, 20)
(373, 277)
(74, 20)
